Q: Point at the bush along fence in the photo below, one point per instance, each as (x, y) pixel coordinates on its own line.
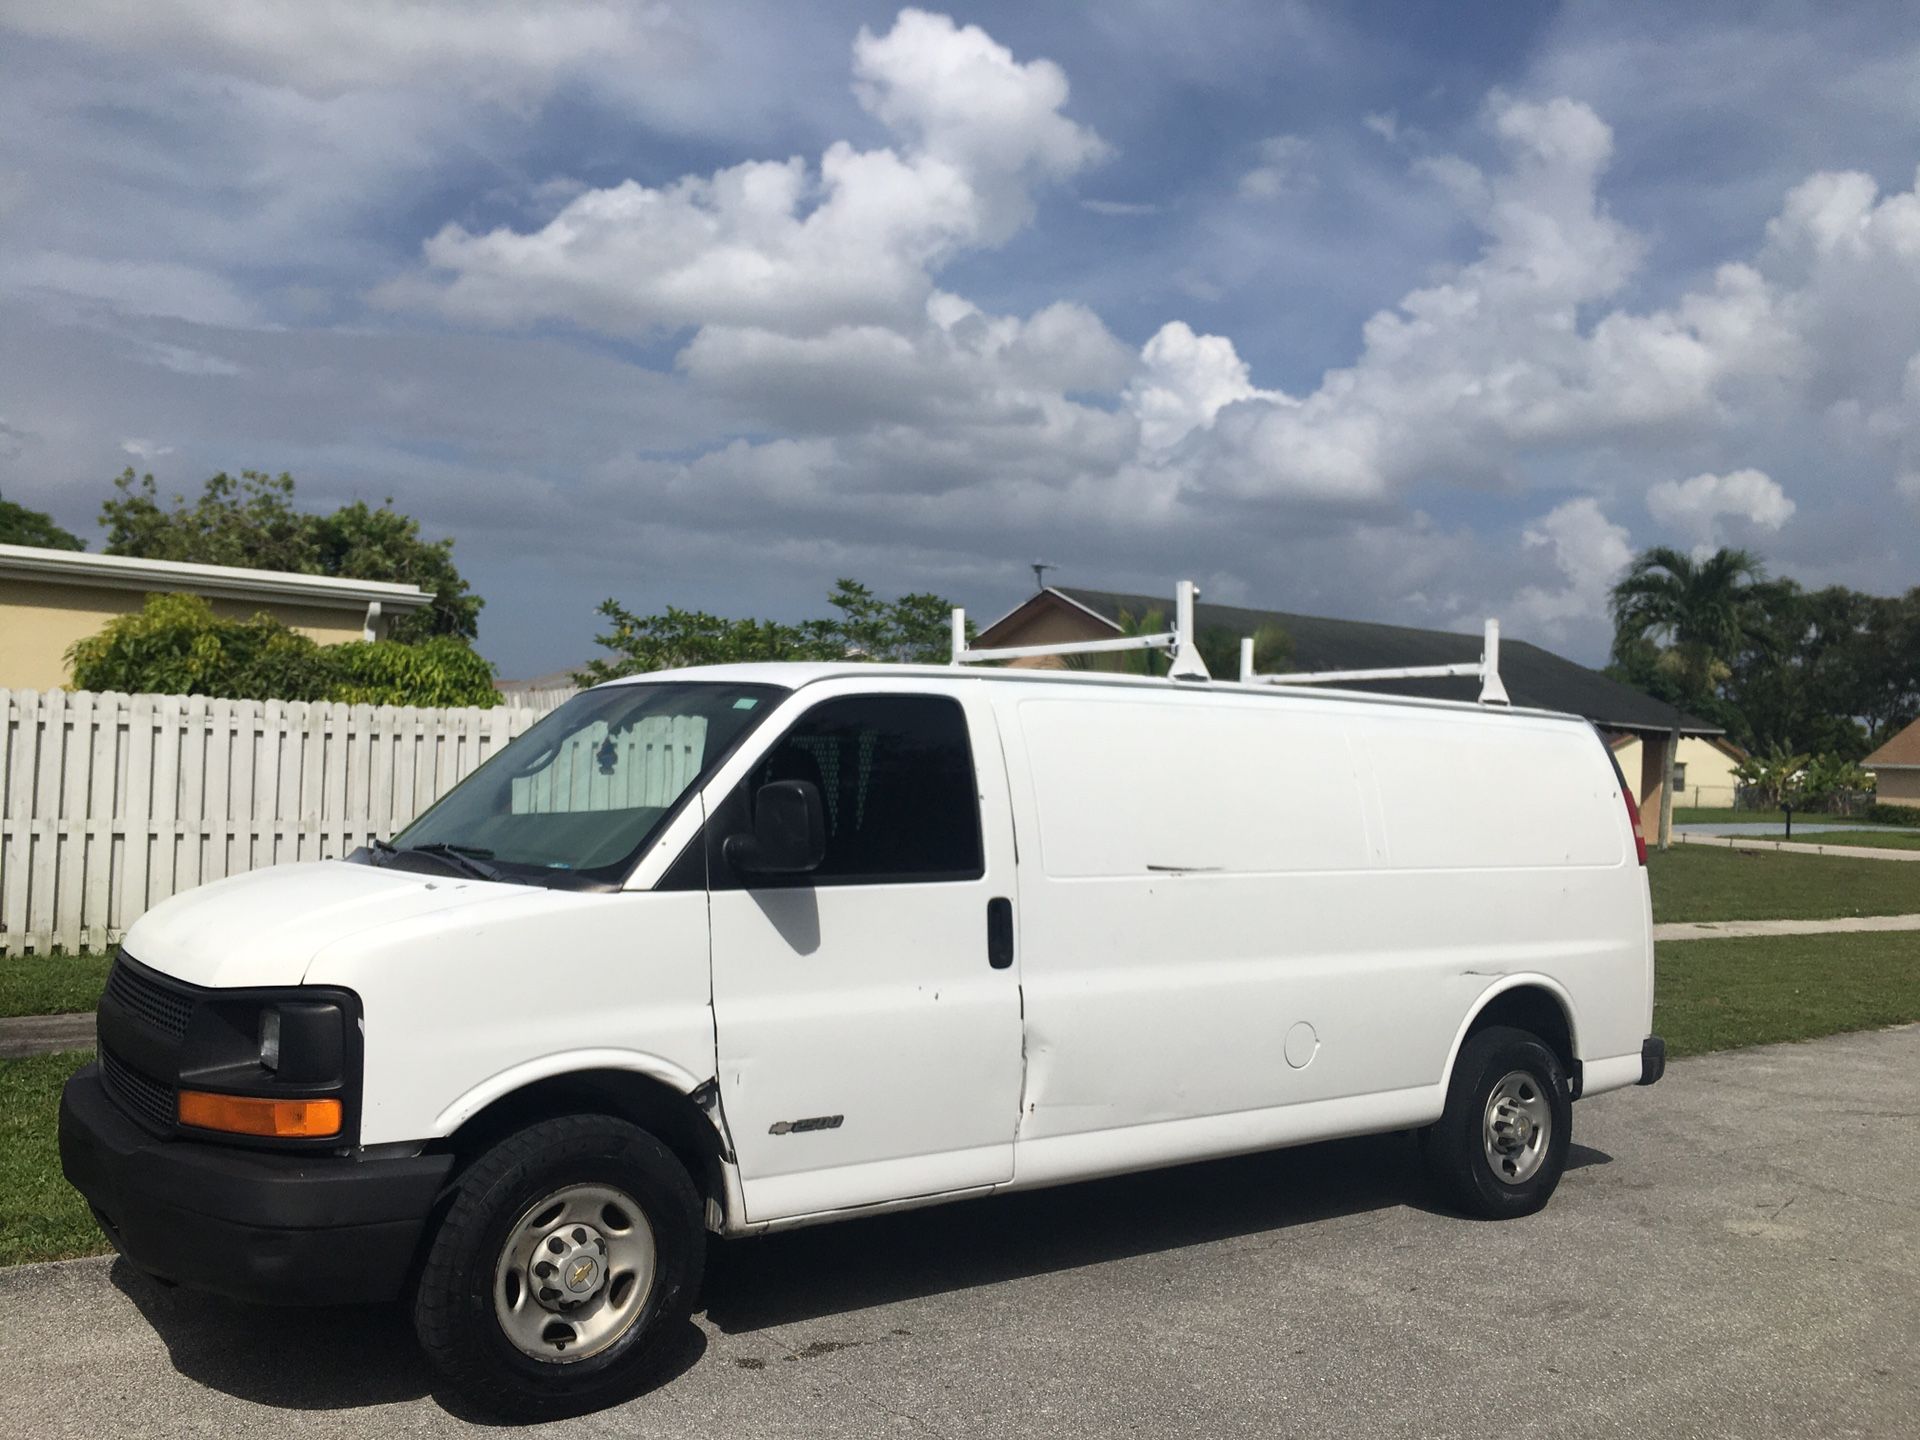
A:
(110, 803)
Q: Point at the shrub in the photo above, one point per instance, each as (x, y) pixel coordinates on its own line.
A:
(1881, 813)
(176, 645)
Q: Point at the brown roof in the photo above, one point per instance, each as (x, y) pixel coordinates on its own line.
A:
(1902, 750)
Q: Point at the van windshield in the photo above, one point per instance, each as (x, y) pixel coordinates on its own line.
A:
(576, 798)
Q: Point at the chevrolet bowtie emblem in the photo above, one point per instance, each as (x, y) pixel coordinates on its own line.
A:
(580, 1273)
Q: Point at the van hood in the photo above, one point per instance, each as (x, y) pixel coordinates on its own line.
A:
(265, 927)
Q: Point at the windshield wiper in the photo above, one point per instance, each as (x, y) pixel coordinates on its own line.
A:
(469, 859)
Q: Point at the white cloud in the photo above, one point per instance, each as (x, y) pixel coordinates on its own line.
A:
(1282, 169)
(1384, 123)
(780, 244)
(1120, 207)
(326, 49)
(1588, 550)
(155, 288)
(1697, 507)
(1184, 381)
(145, 449)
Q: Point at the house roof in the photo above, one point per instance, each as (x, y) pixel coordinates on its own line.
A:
(127, 572)
(1534, 677)
(1902, 752)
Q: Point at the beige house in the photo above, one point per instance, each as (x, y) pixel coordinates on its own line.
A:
(1896, 768)
(1533, 676)
(1703, 767)
(51, 598)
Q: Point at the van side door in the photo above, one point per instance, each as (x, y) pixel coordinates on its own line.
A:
(868, 1024)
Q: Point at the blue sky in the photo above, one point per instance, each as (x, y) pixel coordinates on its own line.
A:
(1413, 312)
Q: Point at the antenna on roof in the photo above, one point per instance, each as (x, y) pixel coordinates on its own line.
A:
(1040, 568)
(1185, 663)
(1486, 669)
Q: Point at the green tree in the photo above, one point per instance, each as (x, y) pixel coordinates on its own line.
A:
(1696, 614)
(252, 521)
(177, 645)
(21, 526)
(915, 629)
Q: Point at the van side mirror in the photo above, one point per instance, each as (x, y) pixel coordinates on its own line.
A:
(789, 831)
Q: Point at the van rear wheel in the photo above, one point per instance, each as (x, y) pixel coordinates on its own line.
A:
(565, 1270)
(1500, 1147)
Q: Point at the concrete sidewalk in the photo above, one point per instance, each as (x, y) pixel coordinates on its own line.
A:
(1794, 847)
(24, 1035)
(1740, 929)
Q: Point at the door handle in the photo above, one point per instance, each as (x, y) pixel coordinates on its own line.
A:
(1000, 933)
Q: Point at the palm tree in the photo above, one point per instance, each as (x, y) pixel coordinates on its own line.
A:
(1702, 609)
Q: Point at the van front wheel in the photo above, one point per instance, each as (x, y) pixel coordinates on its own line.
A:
(1499, 1148)
(565, 1270)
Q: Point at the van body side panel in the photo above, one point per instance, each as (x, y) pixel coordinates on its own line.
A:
(452, 1009)
(1231, 905)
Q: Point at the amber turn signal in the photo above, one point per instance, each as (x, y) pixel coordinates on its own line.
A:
(255, 1115)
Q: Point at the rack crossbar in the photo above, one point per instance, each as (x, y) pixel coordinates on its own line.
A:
(1185, 663)
(1487, 669)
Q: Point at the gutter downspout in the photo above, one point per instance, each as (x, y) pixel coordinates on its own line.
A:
(1666, 788)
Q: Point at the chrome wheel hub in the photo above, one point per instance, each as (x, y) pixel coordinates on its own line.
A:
(1518, 1128)
(574, 1274)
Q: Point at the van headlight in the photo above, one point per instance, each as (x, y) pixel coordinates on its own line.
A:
(277, 1065)
(270, 1039)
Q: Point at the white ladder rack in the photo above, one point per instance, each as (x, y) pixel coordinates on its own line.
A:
(1186, 663)
(1486, 669)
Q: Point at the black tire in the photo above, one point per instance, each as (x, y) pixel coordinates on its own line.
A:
(1456, 1145)
(454, 1311)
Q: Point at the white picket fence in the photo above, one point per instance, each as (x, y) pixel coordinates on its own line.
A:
(110, 803)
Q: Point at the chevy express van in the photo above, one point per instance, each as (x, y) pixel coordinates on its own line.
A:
(740, 948)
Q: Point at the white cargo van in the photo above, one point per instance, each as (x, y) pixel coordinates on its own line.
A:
(734, 949)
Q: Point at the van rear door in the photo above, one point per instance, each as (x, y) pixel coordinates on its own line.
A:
(868, 1022)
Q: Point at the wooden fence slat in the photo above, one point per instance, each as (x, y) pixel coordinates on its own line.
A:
(16, 864)
(137, 807)
(95, 838)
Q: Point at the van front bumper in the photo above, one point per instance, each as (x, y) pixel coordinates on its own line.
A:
(272, 1227)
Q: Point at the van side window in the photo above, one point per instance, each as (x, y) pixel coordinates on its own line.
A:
(895, 775)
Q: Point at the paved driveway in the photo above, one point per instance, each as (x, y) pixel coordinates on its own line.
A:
(1737, 1253)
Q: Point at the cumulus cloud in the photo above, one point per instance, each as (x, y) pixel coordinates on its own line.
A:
(783, 245)
(1588, 550)
(1699, 507)
(1184, 381)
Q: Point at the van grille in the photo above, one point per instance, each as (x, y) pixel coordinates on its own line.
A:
(144, 1098)
(148, 999)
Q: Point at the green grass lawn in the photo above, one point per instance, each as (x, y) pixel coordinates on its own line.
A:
(41, 1216)
(1706, 882)
(1888, 839)
(1724, 994)
(51, 984)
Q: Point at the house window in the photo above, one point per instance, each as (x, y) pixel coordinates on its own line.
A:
(1679, 776)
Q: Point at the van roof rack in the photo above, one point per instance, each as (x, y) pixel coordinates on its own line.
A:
(1186, 663)
(1486, 669)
